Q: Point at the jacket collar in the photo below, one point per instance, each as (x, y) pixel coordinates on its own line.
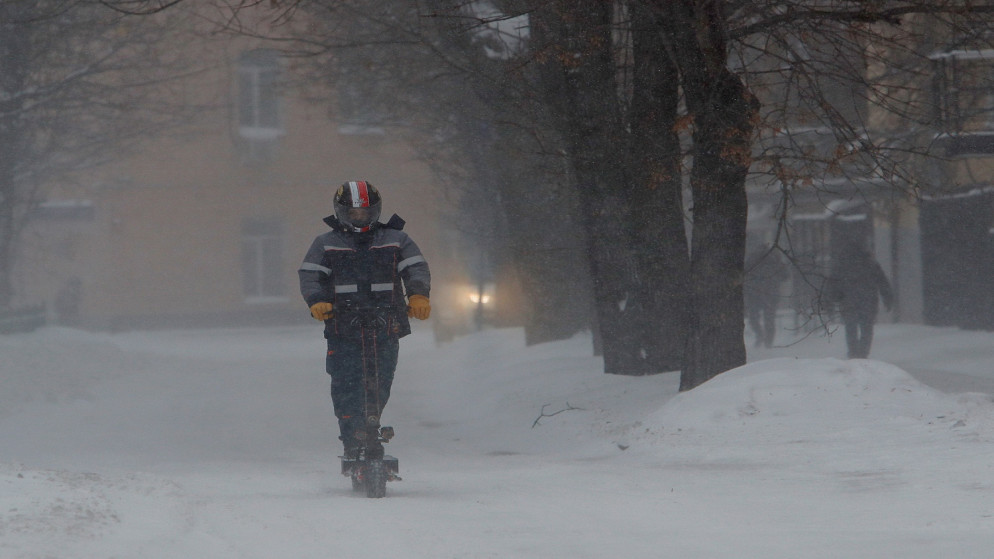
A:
(395, 222)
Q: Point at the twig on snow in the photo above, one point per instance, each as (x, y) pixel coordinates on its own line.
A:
(543, 414)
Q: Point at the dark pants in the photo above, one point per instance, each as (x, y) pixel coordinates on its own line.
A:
(859, 336)
(349, 361)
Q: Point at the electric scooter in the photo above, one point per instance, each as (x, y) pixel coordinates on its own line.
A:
(369, 467)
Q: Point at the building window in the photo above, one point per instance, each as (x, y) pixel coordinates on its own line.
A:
(262, 260)
(360, 101)
(260, 122)
(964, 91)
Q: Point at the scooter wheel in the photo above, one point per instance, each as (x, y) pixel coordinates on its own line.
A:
(376, 479)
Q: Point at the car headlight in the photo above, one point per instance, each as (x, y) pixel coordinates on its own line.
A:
(476, 298)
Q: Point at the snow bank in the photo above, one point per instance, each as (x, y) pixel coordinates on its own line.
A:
(824, 412)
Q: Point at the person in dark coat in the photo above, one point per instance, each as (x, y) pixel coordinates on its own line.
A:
(764, 273)
(67, 302)
(856, 285)
(362, 264)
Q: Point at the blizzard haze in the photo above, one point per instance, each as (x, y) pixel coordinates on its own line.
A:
(222, 444)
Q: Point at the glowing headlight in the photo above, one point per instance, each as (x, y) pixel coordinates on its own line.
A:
(477, 299)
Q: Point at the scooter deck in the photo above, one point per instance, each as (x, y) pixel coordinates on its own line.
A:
(350, 464)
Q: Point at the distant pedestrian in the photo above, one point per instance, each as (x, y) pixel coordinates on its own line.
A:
(765, 271)
(67, 302)
(856, 284)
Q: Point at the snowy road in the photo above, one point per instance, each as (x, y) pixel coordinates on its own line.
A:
(221, 444)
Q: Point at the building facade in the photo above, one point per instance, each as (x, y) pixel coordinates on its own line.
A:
(206, 225)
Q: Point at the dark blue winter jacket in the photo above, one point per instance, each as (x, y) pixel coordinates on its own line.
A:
(375, 269)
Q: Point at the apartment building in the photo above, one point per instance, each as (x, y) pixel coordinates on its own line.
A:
(206, 225)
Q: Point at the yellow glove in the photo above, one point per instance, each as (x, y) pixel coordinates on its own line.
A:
(321, 311)
(418, 307)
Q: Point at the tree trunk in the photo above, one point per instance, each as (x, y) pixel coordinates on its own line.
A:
(656, 199)
(724, 114)
(721, 162)
(580, 66)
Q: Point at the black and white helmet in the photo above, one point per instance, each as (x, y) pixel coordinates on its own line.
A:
(357, 205)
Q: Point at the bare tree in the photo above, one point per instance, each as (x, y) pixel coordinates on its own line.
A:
(844, 94)
(448, 78)
(723, 113)
(77, 85)
(644, 97)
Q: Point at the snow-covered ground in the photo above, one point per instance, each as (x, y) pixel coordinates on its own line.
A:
(221, 444)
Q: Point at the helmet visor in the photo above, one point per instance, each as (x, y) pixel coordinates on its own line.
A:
(361, 217)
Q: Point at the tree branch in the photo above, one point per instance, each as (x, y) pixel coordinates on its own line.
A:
(543, 414)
